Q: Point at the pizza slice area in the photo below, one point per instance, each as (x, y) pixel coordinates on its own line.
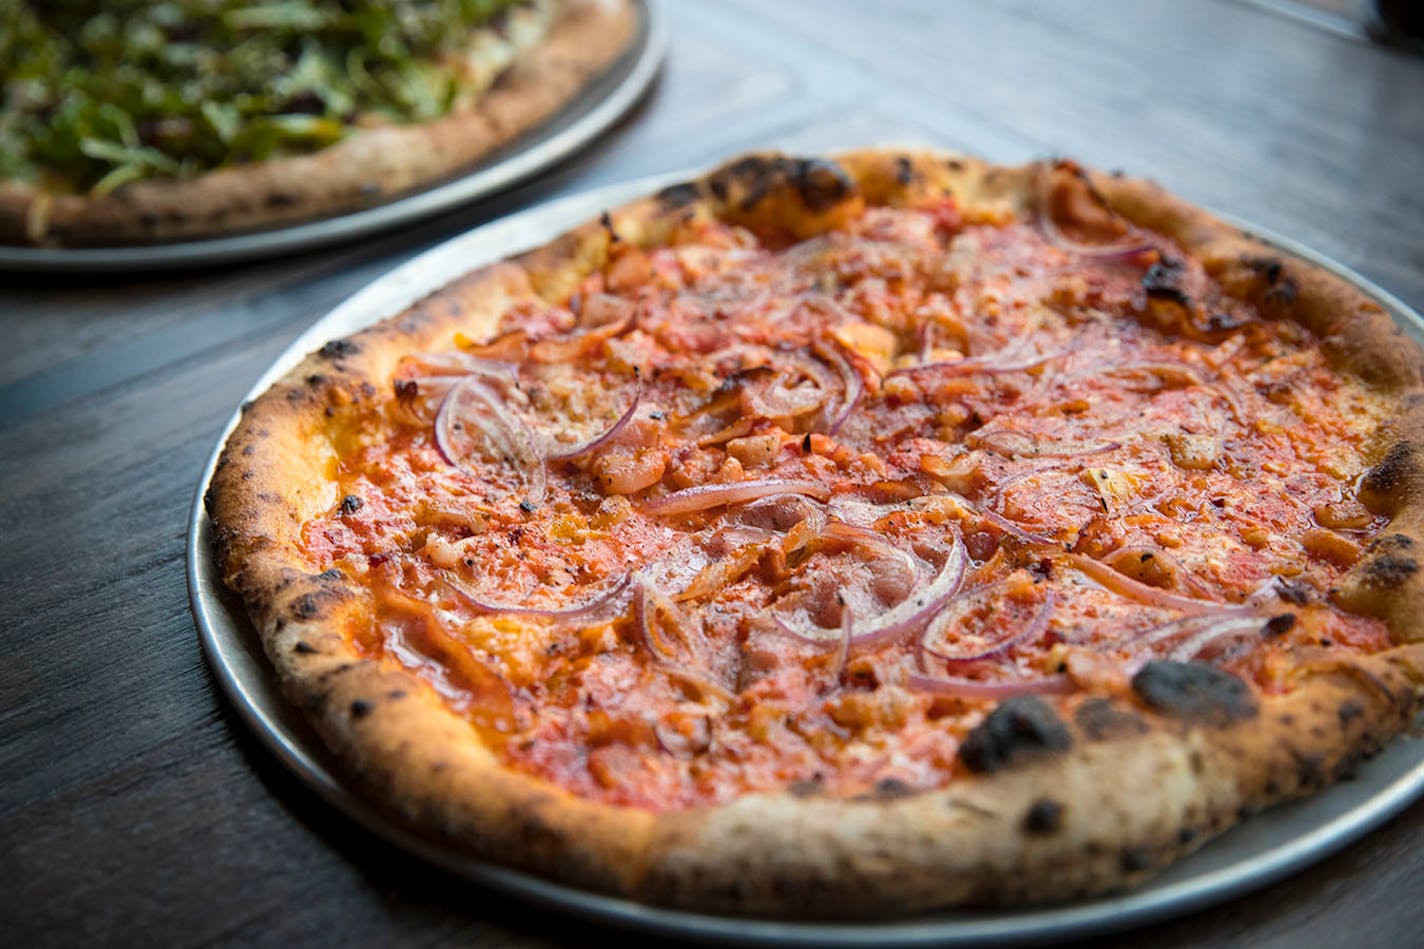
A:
(752, 510)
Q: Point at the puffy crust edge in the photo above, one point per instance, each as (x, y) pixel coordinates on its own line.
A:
(1127, 786)
(371, 166)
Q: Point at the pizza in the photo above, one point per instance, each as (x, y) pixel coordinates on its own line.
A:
(135, 122)
(848, 537)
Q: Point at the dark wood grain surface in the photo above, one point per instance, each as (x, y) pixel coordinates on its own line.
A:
(134, 807)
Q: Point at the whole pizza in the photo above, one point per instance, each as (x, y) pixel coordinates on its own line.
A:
(130, 121)
(850, 536)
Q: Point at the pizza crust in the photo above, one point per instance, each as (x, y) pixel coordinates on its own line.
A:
(369, 168)
(1050, 806)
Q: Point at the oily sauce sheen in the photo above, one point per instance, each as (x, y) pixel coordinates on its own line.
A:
(1130, 465)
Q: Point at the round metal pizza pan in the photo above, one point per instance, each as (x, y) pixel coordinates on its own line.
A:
(573, 128)
(1266, 848)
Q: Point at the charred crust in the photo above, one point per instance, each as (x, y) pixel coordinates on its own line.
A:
(818, 183)
(304, 648)
(1135, 859)
(331, 574)
(360, 708)
(1279, 625)
(904, 170)
(889, 789)
(1310, 769)
(1163, 281)
(306, 606)
(280, 199)
(338, 348)
(1390, 571)
(1020, 729)
(1194, 691)
(1269, 268)
(1044, 816)
(803, 788)
(1101, 719)
(1281, 294)
(1387, 480)
(1348, 711)
(1391, 564)
(678, 196)
(316, 380)
(1391, 543)
(1220, 322)
(822, 184)
(605, 221)
(351, 504)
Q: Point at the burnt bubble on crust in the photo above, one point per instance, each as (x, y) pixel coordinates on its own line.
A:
(1163, 281)
(820, 184)
(1195, 691)
(340, 347)
(1044, 816)
(1020, 729)
(1383, 485)
(1391, 561)
(678, 196)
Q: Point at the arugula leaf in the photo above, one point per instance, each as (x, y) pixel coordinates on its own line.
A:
(97, 94)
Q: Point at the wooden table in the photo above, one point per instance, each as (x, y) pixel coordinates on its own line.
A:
(136, 809)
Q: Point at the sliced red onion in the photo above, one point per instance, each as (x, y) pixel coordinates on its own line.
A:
(1147, 595)
(781, 512)
(611, 602)
(505, 430)
(840, 643)
(987, 364)
(1222, 628)
(647, 599)
(786, 397)
(1043, 219)
(917, 608)
(961, 688)
(854, 385)
(456, 363)
(1009, 527)
(1029, 632)
(868, 539)
(607, 436)
(704, 496)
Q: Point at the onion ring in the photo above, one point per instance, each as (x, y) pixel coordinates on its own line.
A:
(598, 441)
(704, 496)
(1147, 595)
(505, 430)
(613, 596)
(1030, 631)
(850, 378)
(919, 606)
(989, 363)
